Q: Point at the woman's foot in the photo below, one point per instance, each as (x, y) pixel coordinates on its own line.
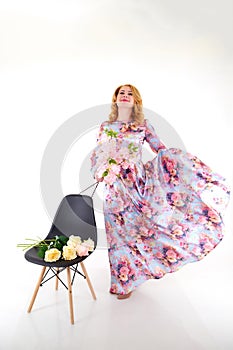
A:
(124, 296)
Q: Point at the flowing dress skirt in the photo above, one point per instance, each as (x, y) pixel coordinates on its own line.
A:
(160, 215)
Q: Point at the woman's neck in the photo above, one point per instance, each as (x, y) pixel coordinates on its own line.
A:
(124, 114)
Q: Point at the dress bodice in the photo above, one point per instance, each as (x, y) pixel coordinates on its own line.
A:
(122, 135)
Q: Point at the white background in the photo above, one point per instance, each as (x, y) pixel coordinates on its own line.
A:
(58, 58)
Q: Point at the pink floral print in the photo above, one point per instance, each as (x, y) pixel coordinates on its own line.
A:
(157, 218)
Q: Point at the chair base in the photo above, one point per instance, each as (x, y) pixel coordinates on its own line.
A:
(69, 287)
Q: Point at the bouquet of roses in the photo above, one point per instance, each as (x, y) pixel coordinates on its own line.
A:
(111, 156)
(60, 247)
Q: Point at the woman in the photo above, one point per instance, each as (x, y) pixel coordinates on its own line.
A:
(156, 217)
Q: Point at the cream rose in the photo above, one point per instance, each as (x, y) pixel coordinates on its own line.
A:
(69, 253)
(52, 254)
(74, 241)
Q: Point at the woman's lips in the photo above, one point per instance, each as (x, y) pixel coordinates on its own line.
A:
(124, 100)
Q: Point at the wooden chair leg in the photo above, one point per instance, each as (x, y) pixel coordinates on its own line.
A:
(70, 295)
(56, 279)
(88, 280)
(36, 289)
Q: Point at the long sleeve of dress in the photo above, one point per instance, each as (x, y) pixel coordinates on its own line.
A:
(94, 156)
(151, 137)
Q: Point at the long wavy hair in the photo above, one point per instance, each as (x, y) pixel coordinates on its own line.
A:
(137, 111)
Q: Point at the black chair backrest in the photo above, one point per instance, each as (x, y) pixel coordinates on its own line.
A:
(75, 216)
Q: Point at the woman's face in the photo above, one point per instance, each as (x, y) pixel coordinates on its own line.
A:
(125, 97)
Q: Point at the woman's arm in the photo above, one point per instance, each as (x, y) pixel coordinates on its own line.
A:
(151, 137)
(94, 156)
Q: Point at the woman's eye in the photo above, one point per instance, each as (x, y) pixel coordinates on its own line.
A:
(122, 93)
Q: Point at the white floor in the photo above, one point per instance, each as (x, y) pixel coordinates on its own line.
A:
(190, 309)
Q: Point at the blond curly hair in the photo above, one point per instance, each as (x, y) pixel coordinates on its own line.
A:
(137, 112)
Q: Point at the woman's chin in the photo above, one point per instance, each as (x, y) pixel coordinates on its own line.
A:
(124, 105)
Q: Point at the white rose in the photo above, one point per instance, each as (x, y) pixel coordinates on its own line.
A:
(74, 241)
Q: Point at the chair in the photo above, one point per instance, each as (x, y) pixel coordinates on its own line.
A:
(74, 216)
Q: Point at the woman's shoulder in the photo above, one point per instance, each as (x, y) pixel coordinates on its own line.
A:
(147, 123)
(106, 122)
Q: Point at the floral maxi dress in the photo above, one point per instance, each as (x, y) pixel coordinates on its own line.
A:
(159, 215)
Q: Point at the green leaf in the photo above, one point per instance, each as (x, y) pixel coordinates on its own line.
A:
(42, 250)
(105, 173)
(133, 148)
(112, 161)
(63, 239)
(111, 133)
